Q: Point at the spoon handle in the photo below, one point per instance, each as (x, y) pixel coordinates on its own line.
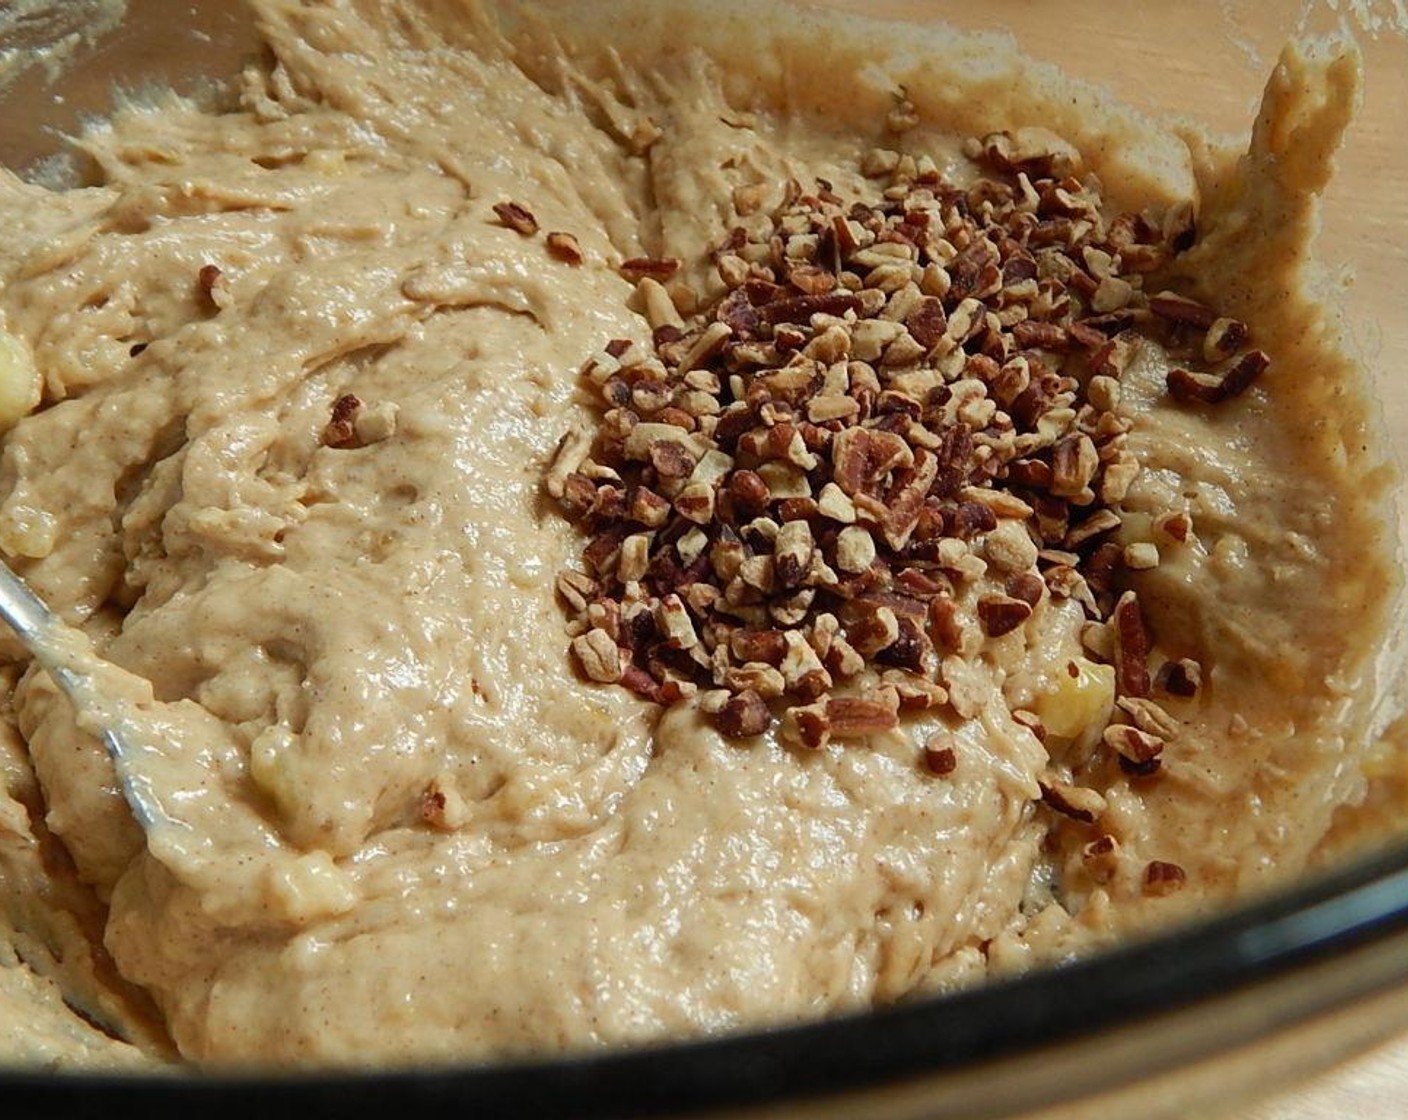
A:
(37, 627)
(64, 652)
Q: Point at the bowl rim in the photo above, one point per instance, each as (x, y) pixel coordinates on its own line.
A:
(1335, 916)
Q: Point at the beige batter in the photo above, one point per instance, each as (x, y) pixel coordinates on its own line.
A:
(329, 631)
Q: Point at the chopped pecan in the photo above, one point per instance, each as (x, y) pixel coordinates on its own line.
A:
(1161, 878)
(671, 460)
(1077, 802)
(1101, 858)
(1097, 524)
(341, 430)
(940, 759)
(1030, 721)
(862, 457)
(792, 553)
(598, 656)
(926, 322)
(1030, 334)
(1179, 309)
(1224, 338)
(1026, 586)
(1074, 461)
(743, 715)
(766, 646)
(647, 507)
(811, 279)
(911, 648)
(972, 519)
(1001, 614)
(854, 717)
(1148, 716)
(1131, 647)
(886, 403)
(915, 691)
(1182, 677)
(808, 725)
(1131, 743)
(749, 493)
(872, 628)
(517, 218)
(1177, 526)
(1203, 388)
(800, 309)
(576, 588)
(944, 623)
(564, 247)
(212, 285)
(659, 269)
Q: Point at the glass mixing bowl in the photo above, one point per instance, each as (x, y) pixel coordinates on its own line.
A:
(1199, 1021)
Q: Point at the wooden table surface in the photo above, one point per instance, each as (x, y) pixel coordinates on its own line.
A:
(1373, 1087)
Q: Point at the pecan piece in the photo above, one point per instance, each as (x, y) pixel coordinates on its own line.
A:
(808, 725)
(1001, 614)
(861, 457)
(792, 553)
(1131, 647)
(1182, 677)
(905, 501)
(944, 623)
(811, 279)
(1101, 858)
(576, 588)
(564, 247)
(647, 507)
(766, 646)
(341, 431)
(926, 322)
(1148, 716)
(1162, 878)
(213, 287)
(911, 648)
(743, 716)
(800, 309)
(1074, 461)
(873, 628)
(442, 807)
(855, 717)
(1077, 802)
(1224, 338)
(1097, 524)
(1030, 334)
(1026, 586)
(517, 218)
(1204, 388)
(750, 494)
(636, 269)
(598, 656)
(1179, 309)
(1139, 747)
(940, 759)
(1030, 721)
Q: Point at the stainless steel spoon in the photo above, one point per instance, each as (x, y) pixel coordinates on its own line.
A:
(68, 657)
(209, 835)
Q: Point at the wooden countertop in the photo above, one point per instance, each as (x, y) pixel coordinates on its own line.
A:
(1371, 1087)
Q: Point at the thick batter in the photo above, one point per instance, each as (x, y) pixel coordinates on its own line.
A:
(408, 828)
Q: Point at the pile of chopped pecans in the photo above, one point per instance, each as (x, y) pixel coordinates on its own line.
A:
(785, 497)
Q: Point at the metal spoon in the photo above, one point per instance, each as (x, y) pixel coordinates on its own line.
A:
(211, 838)
(68, 657)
